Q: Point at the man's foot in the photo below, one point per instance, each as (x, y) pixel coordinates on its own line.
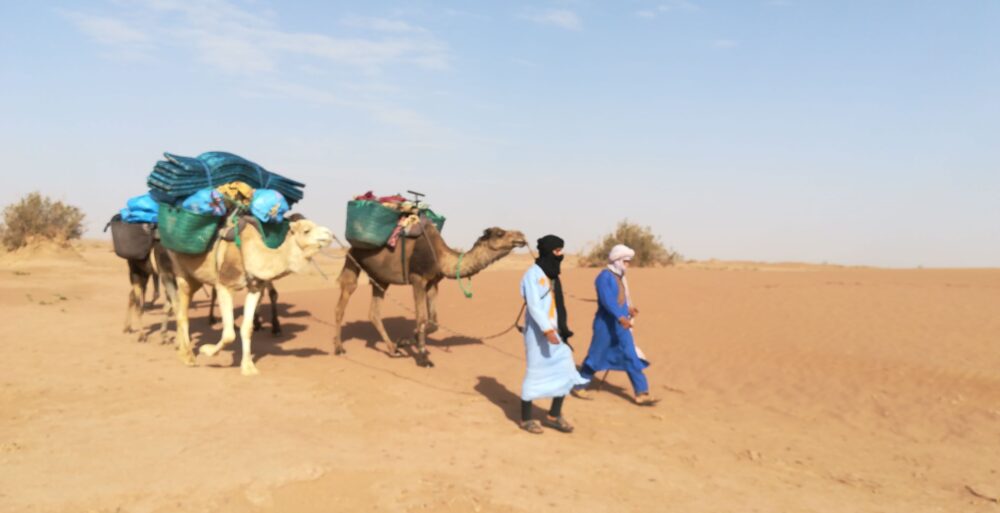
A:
(532, 426)
(558, 423)
(644, 399)
(582, 393)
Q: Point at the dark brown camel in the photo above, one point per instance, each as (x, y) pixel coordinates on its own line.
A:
(427, 261)
(156, 265)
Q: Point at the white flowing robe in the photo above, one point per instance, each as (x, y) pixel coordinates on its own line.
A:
(551, 371)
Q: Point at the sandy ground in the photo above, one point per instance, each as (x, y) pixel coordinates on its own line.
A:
(786, 388)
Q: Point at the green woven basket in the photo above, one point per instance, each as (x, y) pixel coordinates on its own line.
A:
(184, 231)
(274, 233)
(369, 223)
(436, 219)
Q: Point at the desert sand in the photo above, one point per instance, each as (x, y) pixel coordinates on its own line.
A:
(785, 388)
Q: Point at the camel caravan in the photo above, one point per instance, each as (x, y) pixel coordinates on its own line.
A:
(223, 222)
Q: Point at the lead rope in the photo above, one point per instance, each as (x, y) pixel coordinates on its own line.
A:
(458, 277)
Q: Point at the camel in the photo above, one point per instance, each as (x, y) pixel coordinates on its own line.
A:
(230, 268)
(158, 267)
(427, 261)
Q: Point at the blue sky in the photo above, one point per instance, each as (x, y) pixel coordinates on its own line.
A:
(854, 132)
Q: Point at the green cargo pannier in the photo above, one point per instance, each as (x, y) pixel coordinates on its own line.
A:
(434, 218)
(369, 223)
(184, 231)
(274, 233)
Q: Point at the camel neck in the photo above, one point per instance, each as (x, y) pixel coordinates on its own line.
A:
(472, 261)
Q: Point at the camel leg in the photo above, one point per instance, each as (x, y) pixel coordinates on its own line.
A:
(420, 302)
(375, 316)
(228, 325)
(272, 293)
(247, 368)
(156, 288)
(169, 303)
(432, 317)
(348, 284)
(184, 293)
(211, 308)
(137, 276)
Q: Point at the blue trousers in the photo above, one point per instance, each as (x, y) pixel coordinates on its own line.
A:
(635, 376)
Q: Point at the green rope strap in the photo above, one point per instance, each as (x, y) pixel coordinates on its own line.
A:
(458, 276)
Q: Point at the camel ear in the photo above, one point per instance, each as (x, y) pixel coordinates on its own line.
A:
(295, 217)
(492, 233)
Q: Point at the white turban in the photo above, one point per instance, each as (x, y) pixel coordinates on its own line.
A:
(620, 252)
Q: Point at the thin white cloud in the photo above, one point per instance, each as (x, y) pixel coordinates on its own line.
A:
(223, 35)
(233, 40)
(382, 25)
(725, 43)
(108, 31)
(664, 8)
(562, 18)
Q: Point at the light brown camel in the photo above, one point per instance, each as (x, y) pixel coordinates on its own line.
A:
(427, 261)
(156, 265)
(230, 268)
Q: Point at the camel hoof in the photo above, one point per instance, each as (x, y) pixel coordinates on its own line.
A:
(142, 337)
(208, 350)
(340, 350)
(249, 369)
(187, 358)
(276, 330)
(431, 328)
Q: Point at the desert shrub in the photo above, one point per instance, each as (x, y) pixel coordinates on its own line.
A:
(649, 251)
(38, 217)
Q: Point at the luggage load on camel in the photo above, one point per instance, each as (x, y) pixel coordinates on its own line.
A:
(178, 177)
(198, 196)
(133, 228)
(374, 222)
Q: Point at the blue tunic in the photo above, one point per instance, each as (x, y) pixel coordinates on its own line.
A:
(612, 347)
(551, 371)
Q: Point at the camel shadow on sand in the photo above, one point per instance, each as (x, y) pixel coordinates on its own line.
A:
(265, 343)
(401, 330)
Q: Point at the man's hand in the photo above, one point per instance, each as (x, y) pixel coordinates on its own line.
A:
(551, 335)
(627, 324)
(633, 311)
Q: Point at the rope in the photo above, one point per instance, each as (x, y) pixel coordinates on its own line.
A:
(458, 277)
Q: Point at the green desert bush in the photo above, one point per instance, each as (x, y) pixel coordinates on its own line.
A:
(37, 217)
(649, 250)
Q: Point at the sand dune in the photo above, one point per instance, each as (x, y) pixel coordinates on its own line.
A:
(786, 387)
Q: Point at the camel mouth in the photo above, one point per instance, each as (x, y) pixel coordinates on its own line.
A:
(520, 243)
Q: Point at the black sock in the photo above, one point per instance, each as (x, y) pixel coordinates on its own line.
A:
(556, 409)
(525, 410)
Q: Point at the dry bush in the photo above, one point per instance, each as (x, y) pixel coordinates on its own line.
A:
(37, 217)
(649, 251)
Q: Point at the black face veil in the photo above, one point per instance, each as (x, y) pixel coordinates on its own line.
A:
(550, 264)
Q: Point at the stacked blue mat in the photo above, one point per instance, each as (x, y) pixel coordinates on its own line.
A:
(178, 177)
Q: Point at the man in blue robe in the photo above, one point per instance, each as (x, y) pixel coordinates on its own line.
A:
(551, 371)
(612, 346)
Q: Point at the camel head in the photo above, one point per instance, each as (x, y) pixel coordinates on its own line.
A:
(309, 238)
(501, 241)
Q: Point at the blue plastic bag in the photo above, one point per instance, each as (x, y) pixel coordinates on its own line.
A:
(205, 201)
(268, 205)
(140, 209)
